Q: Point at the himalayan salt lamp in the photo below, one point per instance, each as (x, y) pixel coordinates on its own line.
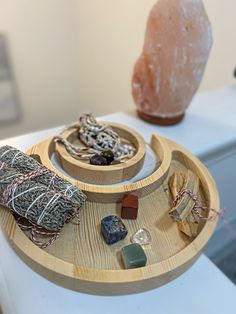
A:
(168, 73)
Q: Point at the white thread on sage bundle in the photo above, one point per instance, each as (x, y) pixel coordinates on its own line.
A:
(44, 212)
(4, 153)
(32, 204)
(13, 160)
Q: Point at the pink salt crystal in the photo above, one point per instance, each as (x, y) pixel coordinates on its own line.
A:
(176, 49)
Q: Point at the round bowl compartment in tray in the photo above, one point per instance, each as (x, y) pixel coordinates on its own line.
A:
(85, 172)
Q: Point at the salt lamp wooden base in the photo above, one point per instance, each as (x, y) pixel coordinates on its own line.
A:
(159, 120)
(81, 260)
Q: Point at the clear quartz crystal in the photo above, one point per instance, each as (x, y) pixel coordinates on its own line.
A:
(142, 237)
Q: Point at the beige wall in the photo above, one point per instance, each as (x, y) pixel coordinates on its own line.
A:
(43, 43)
(223, 57)
(77, 55)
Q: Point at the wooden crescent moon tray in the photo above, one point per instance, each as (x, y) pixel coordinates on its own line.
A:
(81, 260)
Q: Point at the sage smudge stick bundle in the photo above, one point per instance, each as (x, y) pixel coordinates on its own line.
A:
(26, 164)
(41, 201)
(34, 201)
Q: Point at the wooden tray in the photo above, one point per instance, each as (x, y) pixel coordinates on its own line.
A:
(82, 261)
(85, 172)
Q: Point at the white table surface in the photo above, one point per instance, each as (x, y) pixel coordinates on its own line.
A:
(209, 126)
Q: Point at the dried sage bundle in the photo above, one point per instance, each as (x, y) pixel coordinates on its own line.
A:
(26, 164)
(34, 201)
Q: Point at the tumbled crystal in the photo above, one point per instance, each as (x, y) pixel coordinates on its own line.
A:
(113, 229)
(168, 73)
(142, 237)
(108, 154)
(129, 207)
(98, 160)
(133, 256)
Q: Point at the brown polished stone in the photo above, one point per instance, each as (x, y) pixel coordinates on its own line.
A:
(129, 207)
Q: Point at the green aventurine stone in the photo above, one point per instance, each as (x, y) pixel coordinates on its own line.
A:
(133, 256)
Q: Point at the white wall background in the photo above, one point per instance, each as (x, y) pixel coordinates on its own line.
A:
(74, 56)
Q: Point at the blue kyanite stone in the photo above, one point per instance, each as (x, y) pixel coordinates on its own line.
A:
(113, 229)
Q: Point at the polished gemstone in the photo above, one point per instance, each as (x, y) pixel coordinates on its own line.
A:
(108, 154)
(142, 237)
(133, 256)
(129, 207)
(113, 229)
(98, 160)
